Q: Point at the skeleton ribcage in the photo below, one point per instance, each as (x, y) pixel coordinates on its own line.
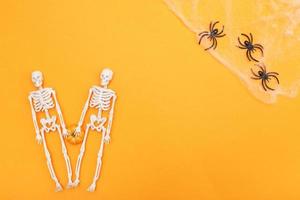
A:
(101, 98)
(42, 100)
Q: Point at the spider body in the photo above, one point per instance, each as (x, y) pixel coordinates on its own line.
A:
(265, 77)
(212, 35)
(250, 47)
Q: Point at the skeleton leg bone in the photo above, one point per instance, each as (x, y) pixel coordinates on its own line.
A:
(66, 157)
(92, 187)
(79, 159)
(49, 163)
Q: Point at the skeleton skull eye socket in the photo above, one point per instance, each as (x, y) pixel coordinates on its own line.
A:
(106, 75)
(37, 75)
(37, 78)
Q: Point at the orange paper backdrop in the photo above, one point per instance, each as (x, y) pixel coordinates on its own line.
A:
(184, 127)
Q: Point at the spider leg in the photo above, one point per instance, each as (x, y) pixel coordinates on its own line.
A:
(268, 86)
(251, 38)
(263, 84)
(211, 46)
(221, 30)
(216, 43)
(274, 77)
(255, 78)
(240, 42)
(210, 26)
(273, 73)
(202, 38)
(259, 45)
(260, 49)
(262, 67)
(219, 36)
(213, 26)
(246, 37)
(204, 32)
(254, 73)
(241, 47)
(250, 54)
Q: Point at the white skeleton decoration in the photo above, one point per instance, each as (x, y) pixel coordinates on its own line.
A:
(43, 100)
(102, 99)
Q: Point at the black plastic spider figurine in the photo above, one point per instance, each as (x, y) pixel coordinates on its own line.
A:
(265, 77)
(212, 35)
(248, 44)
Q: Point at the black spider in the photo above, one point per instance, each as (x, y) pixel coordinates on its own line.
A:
(248, 44)
(264, 76)
(212, 35)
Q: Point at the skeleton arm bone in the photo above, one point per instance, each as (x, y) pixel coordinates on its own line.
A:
(61, 119)
(111, 114)
(36, 126)
(85, 108)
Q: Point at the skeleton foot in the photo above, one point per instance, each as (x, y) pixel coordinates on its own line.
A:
(58, 187)
(92, 187)
(76, 183)
(70, 185)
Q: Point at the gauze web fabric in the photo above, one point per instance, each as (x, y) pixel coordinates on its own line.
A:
(273, 24)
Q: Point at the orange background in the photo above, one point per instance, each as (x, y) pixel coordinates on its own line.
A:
(184, 127)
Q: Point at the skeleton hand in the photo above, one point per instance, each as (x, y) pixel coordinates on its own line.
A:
(107, 139)
(77, 130)
(65, 132)
(38, 138)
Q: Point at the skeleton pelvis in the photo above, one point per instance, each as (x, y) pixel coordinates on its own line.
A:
(48, 124)
(97, 123)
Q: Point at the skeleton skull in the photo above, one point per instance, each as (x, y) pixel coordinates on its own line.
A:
(37, 78)
(106, 76)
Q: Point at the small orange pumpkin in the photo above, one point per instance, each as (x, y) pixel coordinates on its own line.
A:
(73, 138)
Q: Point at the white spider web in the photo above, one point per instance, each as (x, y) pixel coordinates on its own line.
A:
(273, 23)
